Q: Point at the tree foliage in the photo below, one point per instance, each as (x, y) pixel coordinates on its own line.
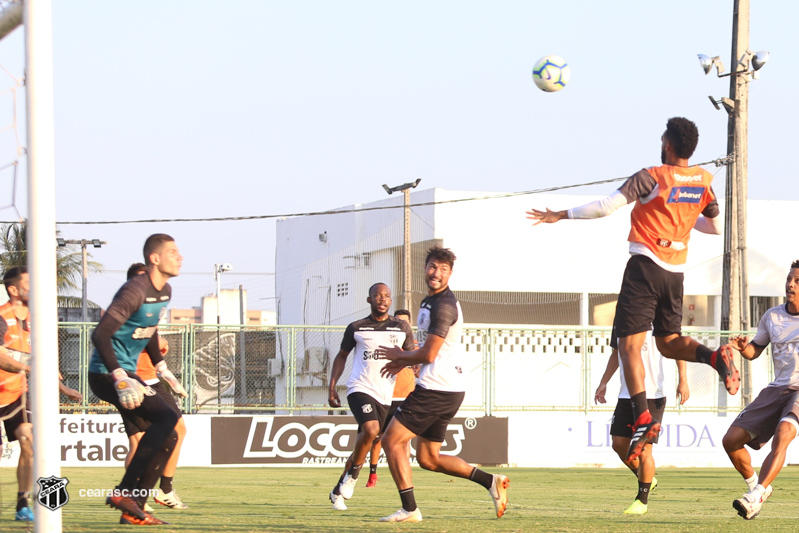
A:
(69, 262)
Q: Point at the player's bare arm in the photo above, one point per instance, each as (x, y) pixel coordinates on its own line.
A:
(610, 369)
(335, 373)
(548, 216)
(748, 350)
(9, 364)
(683, 392)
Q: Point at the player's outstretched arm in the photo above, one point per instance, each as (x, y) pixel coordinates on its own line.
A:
(547, 217)
(335, 373)
(748, 350)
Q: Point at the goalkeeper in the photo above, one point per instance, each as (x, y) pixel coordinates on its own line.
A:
(128, 327)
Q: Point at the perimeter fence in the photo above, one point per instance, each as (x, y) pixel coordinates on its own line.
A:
(285, 369)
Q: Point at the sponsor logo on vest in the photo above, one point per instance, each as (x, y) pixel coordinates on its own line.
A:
(689, 179)
(685, 195)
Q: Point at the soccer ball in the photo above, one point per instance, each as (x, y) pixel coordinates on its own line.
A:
(551, 73)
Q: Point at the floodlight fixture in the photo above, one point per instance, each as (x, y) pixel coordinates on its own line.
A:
(708, 62)
(399, 188)
(759, 59)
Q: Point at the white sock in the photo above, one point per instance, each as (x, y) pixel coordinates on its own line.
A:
(752, 481)
(758, 491)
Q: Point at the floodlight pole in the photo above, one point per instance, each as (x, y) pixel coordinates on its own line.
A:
(38, 16)
(735, 286)
(97, 243)
(407, 302)
(406, 251)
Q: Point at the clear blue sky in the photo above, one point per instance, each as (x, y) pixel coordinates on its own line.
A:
(193, 109)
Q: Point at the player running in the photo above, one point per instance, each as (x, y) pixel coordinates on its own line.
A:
(129, 326)
(404, 383)
(368, 393)
(437, 397)
(621, 426)
(670, 200)
(775, 412)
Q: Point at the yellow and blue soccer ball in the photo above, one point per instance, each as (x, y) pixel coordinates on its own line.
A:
(551, 73)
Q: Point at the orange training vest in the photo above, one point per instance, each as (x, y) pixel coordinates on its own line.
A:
(13, 385)
(664, 223)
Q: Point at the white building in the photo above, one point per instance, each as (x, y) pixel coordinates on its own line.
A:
(508, 271)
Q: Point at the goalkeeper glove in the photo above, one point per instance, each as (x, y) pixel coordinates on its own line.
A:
(164, 373)
(130, 391)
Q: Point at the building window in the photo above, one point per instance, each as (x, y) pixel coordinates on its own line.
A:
(342, 289)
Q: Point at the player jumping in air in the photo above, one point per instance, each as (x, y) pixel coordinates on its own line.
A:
(670, 201)
(129, 326)
(775, 412)
(438, 395)
(368, 393)
(621, 426)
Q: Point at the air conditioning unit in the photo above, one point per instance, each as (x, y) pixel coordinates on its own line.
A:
(275, 368)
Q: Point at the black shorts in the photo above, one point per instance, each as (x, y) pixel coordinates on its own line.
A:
(427, 413)
(135, 424)
(365, 408)
(623, 417)
(391, 411)
(154, 407)
(15, 414)
(649, 296)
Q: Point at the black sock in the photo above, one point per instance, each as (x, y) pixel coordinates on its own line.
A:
(703, 354)
(354, 471)
(22, 500)
(639, 405)
(643, 492)
(373, 469)
(337, 488)
(408, 499)
(482, 478)
(166, 484)
(633, 470)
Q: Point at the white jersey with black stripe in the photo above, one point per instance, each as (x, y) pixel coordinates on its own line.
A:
(441, 315)
(365, 336)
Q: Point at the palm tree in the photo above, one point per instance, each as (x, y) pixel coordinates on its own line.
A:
(69, 262)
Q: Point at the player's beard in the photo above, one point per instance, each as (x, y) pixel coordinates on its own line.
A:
(662, 156)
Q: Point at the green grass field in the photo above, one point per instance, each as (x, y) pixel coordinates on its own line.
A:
(295, 499)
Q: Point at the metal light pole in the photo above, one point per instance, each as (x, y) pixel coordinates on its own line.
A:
(735, 281)
(218, 269)
(406, 241)
(97, 243)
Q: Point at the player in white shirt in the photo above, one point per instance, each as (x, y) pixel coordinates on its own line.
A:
(368, 392)
(775, 412)
(438, 395)
(621, 426)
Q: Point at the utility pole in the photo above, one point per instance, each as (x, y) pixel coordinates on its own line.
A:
(735, 310)
(407, 293)
(735, 287)
(97, 243)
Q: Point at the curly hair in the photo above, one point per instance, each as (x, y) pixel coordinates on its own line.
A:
(683, 136)
(795, 264)
(443, 255)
